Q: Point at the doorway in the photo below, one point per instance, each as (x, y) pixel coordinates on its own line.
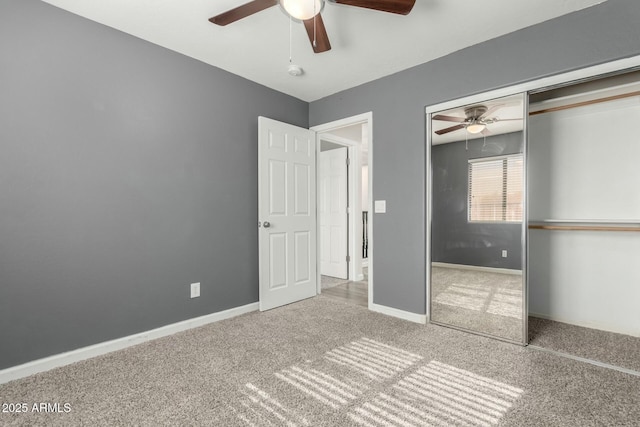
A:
(343, 203)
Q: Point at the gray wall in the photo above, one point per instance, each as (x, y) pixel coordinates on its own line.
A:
(127, 171)
(454, 239)
(599, 34)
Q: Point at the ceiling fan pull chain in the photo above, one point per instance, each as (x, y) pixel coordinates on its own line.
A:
(290, 43)
(314, 25)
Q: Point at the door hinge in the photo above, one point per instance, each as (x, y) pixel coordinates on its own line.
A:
(348, 161)
(348, 258)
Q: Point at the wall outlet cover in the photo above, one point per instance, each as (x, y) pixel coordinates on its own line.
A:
(380, 206)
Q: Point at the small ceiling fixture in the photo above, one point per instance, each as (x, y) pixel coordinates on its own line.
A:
(295, 70)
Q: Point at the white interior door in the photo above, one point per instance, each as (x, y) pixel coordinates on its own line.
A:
(332, 211)
(286, 213)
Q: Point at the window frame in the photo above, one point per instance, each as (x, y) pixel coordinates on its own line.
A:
(504, 158)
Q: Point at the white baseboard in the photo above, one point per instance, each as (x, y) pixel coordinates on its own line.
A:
(477, 268)
(62, 359)
(401, 314)
(591, 325)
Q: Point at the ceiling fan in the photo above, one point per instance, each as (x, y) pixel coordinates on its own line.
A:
(476, 119)
(308, 11)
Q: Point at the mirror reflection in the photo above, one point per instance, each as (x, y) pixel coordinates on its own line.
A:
(477, 209)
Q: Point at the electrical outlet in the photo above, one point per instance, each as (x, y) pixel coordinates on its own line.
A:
(195, 290)
(504, 253)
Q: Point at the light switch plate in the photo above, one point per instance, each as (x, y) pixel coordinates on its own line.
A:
(195, 290)
(380, 206)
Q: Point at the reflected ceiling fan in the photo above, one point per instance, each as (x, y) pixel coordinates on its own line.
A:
(476, 119)
(308, 12)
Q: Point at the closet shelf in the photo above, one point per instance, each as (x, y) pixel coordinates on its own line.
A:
(585, 225)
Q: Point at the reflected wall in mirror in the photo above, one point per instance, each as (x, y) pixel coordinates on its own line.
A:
(477, 217)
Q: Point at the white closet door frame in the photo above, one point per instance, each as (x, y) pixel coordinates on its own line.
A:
(618, 66)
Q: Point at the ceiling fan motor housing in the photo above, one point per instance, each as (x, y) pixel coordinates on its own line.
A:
(475, 112)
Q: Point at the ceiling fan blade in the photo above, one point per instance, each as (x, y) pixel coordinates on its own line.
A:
(401, 7)
(319, 35)
(450, 129)
(448, 118)
(491, 110)
(243, 11)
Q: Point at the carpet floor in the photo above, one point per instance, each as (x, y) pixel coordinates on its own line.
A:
(607, 347)
(486, 302)
(324, 363)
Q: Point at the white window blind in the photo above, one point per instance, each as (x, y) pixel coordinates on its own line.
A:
(495, 189)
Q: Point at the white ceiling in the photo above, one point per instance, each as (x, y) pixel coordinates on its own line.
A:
(366, 44)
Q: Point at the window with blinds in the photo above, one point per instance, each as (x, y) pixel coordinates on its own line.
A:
(495, 189)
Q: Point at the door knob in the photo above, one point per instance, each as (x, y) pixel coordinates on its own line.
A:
(266, 224)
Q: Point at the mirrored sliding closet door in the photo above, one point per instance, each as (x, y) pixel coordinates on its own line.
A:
(478, 216)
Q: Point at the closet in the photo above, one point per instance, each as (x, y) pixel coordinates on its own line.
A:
(584, 205)
(584, 219)
(579, 251)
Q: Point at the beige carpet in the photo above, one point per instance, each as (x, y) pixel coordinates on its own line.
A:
(606, 347)
(486, 302)
(324, 363)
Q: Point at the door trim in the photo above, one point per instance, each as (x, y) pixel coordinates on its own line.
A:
(354, 154)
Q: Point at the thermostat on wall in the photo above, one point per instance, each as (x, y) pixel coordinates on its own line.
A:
(380, 206)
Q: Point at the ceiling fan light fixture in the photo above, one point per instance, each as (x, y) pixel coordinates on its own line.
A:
(302, 9)
(476, 128)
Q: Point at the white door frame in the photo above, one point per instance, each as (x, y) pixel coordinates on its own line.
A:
(355, 174)
(544, 83)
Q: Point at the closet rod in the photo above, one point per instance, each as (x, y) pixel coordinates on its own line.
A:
(592, 227)
(583, 103)
(585, 225)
